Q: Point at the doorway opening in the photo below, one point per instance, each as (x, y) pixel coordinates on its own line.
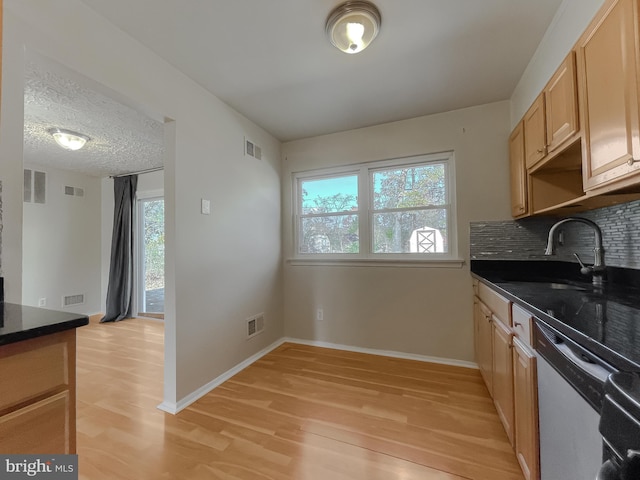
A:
(150, 264)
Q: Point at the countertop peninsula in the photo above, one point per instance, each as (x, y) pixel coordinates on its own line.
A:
(21, 322)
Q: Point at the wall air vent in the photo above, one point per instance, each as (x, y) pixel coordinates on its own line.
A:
(255, 325)
(251, 149)
(74, 191)
(72, 300)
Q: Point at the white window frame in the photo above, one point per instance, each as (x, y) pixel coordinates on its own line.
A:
(365, 172)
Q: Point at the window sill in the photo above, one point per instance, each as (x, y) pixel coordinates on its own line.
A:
(377, 262)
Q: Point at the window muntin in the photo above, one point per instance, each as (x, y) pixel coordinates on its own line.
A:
(397, 209)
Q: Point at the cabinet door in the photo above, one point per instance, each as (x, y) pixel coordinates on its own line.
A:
(503, 375)
(525, 398)
(607, 66)
(518, 172)
(561, 104)
(535, 138)
(485, 345)
(43, 427)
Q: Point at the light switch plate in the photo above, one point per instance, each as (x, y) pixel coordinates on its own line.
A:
(205, 206)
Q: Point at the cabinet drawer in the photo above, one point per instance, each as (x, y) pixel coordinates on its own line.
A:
(44, 427)
(499, 306)
(522, 324)
(34, 368)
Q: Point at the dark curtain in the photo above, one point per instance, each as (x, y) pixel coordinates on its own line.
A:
(120, 289)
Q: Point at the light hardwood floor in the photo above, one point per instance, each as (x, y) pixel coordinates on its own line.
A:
(299, 413)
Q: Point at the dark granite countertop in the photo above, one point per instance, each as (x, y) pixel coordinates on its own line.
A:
(20, 322)
(604, 320)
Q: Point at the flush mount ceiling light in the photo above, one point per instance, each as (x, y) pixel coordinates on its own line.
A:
(68, 139)
(352, 26)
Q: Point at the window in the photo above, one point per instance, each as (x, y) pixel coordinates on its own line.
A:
(401, 209)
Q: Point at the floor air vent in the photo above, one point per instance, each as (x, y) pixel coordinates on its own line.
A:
(255, 325)
(71, 300)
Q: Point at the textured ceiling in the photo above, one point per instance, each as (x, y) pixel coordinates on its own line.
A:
(123, 140)
(271, 60)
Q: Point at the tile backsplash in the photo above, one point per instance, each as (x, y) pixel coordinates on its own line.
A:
(526, 239)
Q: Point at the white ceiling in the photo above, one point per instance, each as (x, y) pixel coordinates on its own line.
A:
(271, 61)
(122, 139)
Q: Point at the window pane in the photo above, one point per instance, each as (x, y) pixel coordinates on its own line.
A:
(332, 234)
(422, 231)
(329, 195)
(418, 186)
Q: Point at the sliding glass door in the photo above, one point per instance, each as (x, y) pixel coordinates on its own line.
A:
(150, 283)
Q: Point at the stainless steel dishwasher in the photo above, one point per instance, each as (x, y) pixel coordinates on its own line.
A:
(570, 393)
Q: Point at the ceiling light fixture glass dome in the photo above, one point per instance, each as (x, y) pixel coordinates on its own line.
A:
(352, 26)
(68, 139)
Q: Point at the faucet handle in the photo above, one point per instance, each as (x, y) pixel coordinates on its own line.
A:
(583, 268)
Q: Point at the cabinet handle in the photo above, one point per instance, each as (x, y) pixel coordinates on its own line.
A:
(517, 324)
(631, 161)
(540, 150)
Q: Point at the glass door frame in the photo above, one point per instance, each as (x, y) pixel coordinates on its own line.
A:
(139, 270)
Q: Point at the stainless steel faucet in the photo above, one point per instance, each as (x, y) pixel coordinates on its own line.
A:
(598, 268)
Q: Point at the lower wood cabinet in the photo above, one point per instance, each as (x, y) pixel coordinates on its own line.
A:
(507, 363)
(484, 342)
(503, 376)
(38, 402)
(525, 397)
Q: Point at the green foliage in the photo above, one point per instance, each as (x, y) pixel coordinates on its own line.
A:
(154, 244)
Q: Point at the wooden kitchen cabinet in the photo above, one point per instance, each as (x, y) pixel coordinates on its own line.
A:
(37, 406)
(518, 172)
(525, 401)
(507, 361)
(484, 343)
(503, 375)
(535, 135)
(607, 58)
(561, 104)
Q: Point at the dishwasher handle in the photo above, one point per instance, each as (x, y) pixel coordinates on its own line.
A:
(593, 369)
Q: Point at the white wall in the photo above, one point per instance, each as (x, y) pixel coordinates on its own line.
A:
(61, 243)
(424, 311)
(221, 268)
(147, 182)
(570, 21)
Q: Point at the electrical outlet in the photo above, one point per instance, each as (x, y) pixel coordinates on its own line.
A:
(42, 302)
(205, 206)
(319, 315)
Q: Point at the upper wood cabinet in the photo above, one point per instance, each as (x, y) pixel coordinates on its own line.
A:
(535, 135)
(518, 172)
(607, 55)
(552, 120)
(561, 104)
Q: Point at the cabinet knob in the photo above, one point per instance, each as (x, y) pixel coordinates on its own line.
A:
(631, 161)
(540, 150)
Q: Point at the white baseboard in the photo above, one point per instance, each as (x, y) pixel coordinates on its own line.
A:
(384, 353)
(173, 408)
(183, 403)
